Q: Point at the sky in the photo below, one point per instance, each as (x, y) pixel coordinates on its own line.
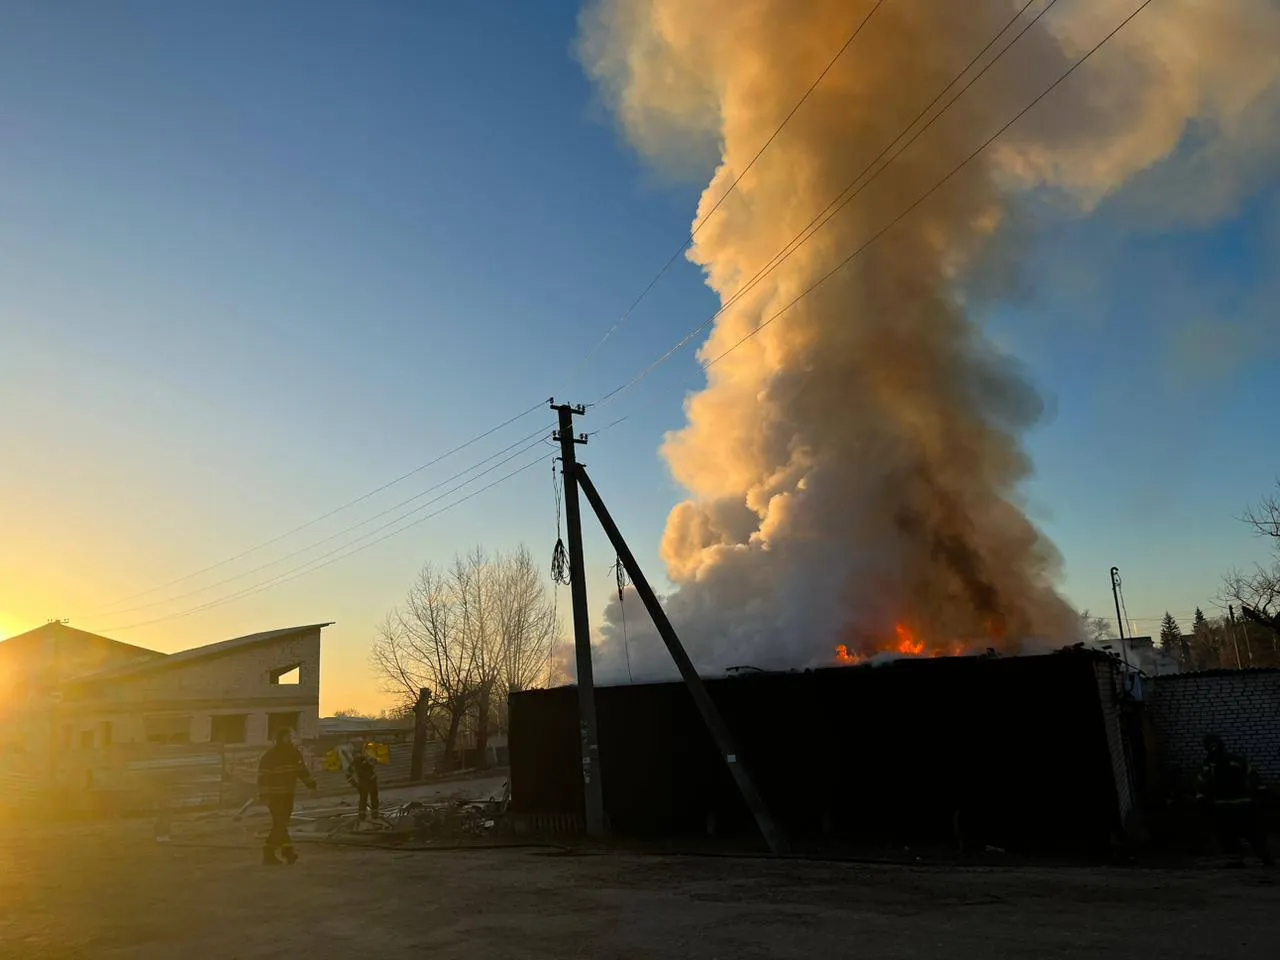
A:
(258, 260)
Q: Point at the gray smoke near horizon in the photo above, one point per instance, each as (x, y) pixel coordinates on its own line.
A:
(856, 463)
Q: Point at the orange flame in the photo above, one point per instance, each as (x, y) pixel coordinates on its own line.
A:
(905, 643)
(908, 645)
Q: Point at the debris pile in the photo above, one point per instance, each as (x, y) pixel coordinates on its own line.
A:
(453, 821)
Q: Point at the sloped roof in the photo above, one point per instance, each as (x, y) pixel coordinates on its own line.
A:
(65, 633)
(208, 650)
(340, 725)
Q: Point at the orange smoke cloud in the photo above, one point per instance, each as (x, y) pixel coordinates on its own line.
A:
(859, 460)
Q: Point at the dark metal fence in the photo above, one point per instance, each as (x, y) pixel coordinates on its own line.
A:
(1002, 751)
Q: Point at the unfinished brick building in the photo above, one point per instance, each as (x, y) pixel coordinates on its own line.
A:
(97, 722)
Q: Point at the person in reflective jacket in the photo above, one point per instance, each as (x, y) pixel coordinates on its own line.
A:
(1229, 785)
(362, 773)
(279, 771)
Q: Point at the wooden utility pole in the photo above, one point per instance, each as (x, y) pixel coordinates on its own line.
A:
(1115, 595)
(581, 621)
(1231, 610)
(420, 711)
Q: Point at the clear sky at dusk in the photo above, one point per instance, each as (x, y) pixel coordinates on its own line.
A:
(258, 259)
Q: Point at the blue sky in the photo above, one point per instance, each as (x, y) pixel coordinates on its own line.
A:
(258, 259)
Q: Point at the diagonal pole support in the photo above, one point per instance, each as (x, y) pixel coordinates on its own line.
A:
(710, 715)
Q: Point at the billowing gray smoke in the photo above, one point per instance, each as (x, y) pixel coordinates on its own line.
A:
(856, 464)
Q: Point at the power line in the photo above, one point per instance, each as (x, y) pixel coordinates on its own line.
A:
(937, 186)
(337, 554)
(341, 533)
(824, 216)
(324, 516)
(1176, 616)
(312, 565)
(701, 222)
(612, 394)
(596, 433)
(738, 179)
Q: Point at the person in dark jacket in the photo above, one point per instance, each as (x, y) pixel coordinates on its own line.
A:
(279, 771)
(1229, 785)
(362, 774)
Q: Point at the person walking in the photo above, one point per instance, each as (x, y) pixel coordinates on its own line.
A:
(279, 771)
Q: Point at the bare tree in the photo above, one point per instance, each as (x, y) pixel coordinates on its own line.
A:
(428, 643)
(527, 622)
(1258, 590)
(1265, 516)
(469, 635)
(527, 630)
(1095, 629)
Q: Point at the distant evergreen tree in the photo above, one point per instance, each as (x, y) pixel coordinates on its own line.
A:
(1205, 647)
(1200, 625)
(1170, 635)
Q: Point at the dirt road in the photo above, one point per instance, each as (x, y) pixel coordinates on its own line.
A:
(110, 892)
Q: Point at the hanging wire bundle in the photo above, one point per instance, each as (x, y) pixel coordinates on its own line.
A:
(559, 555)
(620, 578)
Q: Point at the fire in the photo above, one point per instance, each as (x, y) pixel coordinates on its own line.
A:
(954, 649)
(844, 656)
(908, 645)
(905, 643)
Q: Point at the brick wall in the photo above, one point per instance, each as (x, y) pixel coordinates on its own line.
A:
(1242, 706)
(236, 674)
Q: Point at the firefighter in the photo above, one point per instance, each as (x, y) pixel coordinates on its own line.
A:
(1229, 785)
(362, 773)
(279, 770)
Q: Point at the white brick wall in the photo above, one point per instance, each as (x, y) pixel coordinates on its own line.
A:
(1241, 706)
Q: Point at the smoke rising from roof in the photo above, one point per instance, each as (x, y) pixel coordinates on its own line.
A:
(856, 463)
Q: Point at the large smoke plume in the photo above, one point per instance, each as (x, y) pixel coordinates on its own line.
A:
(857, 462)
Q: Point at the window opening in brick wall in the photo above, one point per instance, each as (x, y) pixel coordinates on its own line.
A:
(228, 728)
(289, 676)
(167, 729)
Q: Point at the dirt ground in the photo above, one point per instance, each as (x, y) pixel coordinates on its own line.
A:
(110, 891)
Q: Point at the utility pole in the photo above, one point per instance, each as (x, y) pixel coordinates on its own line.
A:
(421, 709)
(1231, 610)
(581, 621)
(1115, 595)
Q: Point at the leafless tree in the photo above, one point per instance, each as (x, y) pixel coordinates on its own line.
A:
(527, 622)
(1265, 516)
(1095, 629)
(351, 713)
(521, 628)
(1259, 589)
(469, 635)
